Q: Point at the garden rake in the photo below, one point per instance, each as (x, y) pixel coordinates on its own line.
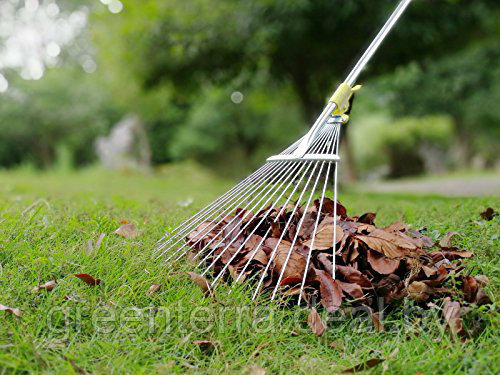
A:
(263, 220)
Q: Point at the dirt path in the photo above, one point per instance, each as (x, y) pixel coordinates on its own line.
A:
(469, 186)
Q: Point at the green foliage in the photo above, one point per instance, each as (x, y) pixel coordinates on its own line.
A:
(404, 139)
(46, 239)
(410, 132)
(465, 85)
(196, 51)
(400, 144)
(175, 63)
(64, 109)
(187, 43)
(238, 136)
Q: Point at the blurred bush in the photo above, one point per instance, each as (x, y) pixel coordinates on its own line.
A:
(415, 145)
(62, 113)
(229, 83)
(385, 147)
(236, 131)
(466, 86)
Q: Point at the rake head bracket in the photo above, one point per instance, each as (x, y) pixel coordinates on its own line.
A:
(341, 97)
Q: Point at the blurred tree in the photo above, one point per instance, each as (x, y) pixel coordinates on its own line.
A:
(186, 44)
(465, 85)
(216, 131)
(66, 108)
(311, 43)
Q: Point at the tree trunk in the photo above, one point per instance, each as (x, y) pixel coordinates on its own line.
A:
(44, 155)
(309, 104)
(461, 147)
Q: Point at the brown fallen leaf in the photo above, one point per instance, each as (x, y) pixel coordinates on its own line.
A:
(352, 275)
(364, 366)
(398, 226)
(352, 289)
(89, 280)
(331, 292)
(429, 271)
(488, 214)
(323, 239)
(127, 230)
(328, 207)
(202, 283)
(296, 264)
(381, 263)
(451, 255)
(445, 242)
(452, 312)
(11, 310)
(470, 288)
(377, 325)
(256, 370)
(392, 245)
(153, 289)
(315, 322)
(48, 286)
(482, 298)
(370, 262)
(367, 218)
(419, 291)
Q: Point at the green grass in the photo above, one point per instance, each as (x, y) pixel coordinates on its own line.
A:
(46, 221)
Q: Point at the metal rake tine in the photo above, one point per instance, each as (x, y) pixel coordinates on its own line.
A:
(297, 230)
(266, 234)
(246, 225)
(335, 209)
(235, 205)
(273, 254)
(314, 235)
(208, 231)
(229, 192)
(241, 231)
(210, 208)
(254, 252)
(248, 193)
(248, 236)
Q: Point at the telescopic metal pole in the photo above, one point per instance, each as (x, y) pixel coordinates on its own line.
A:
(351, 78)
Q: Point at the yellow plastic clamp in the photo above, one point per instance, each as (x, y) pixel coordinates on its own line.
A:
(341, 98)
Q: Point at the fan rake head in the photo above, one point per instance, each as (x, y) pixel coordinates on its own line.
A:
(271, 224)
(267, 225)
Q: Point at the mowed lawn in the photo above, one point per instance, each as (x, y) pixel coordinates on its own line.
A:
(50, 224)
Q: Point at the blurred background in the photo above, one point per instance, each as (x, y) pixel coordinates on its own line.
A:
(223, 84)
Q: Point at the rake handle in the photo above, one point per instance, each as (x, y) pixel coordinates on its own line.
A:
(351, 78)
(363, 60)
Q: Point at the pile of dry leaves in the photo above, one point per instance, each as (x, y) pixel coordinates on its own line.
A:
(393, 263)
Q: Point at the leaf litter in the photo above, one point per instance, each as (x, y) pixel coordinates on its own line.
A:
(11, 310)
(87, 279)
(392, 263)
(48, 286)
